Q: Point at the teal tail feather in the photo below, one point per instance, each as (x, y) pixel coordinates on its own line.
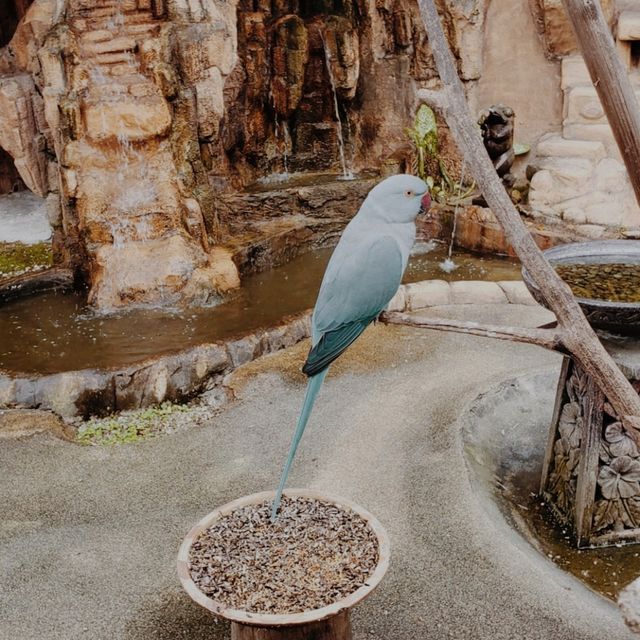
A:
(313, 386)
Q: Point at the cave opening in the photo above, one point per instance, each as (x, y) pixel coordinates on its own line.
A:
(11, 12)
(10, 179)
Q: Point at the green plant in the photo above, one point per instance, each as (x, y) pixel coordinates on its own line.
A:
(424, 135)
(127, 427)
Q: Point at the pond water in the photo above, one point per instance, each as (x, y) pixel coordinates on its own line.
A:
(53, 332)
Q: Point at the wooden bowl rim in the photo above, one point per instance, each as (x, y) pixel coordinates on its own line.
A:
(272, 619)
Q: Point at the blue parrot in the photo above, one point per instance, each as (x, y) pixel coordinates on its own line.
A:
(363, 274)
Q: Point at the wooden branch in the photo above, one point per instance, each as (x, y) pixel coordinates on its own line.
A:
(610, 79)
(547, 338)
(578, 337)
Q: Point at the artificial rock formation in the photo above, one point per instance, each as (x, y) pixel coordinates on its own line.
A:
(93, 113)
(138, 118)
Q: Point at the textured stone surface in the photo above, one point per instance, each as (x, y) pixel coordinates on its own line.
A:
(20, 423)
(516, 292)
(428, 294)
(477, 292)
(629, 25)
(556, 146)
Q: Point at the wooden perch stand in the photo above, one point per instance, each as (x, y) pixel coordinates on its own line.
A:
(573, 334)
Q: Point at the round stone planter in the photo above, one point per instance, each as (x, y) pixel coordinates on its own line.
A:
(617, 317)
(327, 623)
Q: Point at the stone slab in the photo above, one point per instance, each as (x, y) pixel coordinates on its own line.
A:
(477, 292)
(574, 72)
(629, 25)
(428, 293)
(556, 146)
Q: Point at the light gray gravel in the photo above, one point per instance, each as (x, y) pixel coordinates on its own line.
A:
(89, 536)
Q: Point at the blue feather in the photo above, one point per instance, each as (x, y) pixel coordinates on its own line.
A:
(313, 387)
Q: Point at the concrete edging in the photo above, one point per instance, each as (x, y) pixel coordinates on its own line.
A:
(180, 376)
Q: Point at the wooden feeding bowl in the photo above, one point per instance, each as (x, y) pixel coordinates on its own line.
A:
(330, 622)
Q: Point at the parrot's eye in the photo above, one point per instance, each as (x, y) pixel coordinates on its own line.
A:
(409, 194)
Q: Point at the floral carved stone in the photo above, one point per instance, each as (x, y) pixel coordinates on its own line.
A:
(591, 476)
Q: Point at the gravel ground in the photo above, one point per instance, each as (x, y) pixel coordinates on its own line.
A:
(89, 535)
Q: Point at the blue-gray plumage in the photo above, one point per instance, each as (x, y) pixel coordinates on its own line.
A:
(362, 276)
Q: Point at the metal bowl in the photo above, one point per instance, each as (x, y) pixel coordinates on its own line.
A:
(622, 318)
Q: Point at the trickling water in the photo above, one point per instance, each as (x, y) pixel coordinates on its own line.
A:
(287, 146)
(285, 138)
(347, 174)
(448, 265)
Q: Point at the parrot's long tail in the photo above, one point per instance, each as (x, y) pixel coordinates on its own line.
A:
(313, 386)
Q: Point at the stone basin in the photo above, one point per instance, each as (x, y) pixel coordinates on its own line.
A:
(621, 318)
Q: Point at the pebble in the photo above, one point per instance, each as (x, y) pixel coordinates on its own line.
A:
(615, 282)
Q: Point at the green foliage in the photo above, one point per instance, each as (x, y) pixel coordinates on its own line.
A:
(127, 427)
(16, 257)
(424, 135)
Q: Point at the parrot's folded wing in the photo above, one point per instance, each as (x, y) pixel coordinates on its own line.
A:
(361, 279)
(331, 345)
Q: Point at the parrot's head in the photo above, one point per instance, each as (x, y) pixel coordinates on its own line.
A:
(399, 198)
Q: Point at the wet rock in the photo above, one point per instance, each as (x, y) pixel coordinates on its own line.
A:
(244, 350)
(343, 49)
(20, 423)
(290, 57)
(19, 131)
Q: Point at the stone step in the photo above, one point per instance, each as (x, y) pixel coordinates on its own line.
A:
(100, 35)
(555, 146)
(88, 5)
(142, 28)
(124, 57)
(95, 10)
(574, 72)
(115, 45)
(629, 25)
(582, 103)
(136, 118)
(593, 132)
(104, 22)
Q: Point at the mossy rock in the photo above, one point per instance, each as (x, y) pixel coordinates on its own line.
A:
(16, 257)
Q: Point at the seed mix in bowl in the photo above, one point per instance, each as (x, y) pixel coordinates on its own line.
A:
(313, 555)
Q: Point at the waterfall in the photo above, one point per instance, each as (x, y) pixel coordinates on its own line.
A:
(346, 172)
(448, 265)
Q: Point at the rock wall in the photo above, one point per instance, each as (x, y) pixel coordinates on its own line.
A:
(137, 118)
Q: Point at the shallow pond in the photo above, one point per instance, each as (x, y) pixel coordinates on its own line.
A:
(54, 332)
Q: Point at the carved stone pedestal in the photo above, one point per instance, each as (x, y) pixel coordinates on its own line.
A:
(591, 472)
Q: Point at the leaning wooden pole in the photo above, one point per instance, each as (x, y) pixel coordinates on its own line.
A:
(610, 79)
(578, 337)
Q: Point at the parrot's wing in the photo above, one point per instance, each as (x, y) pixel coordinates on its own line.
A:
(352, 295)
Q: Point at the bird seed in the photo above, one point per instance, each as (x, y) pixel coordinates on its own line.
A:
(313, 555)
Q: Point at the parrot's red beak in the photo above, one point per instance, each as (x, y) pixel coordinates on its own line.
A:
(425, 203)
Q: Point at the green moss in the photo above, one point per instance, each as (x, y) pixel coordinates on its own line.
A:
(16, 257)
(129, 426)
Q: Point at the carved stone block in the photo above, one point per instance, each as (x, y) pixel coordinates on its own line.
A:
(591, 473)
